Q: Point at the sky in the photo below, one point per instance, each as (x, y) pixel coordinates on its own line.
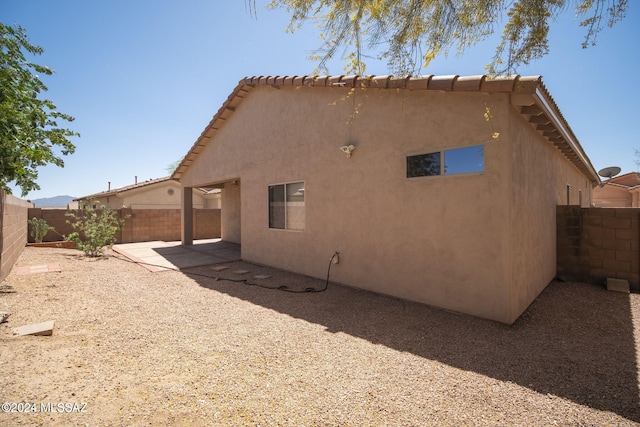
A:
(143, 78)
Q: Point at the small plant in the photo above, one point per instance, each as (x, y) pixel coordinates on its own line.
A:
(39, 229)
(94, 228)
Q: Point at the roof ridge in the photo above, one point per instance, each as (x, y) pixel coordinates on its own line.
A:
(126, 187)
(453, 82)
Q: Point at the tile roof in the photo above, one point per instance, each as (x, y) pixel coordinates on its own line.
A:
(629, 180)
(125, 188)
(117, 191)
(528, 95)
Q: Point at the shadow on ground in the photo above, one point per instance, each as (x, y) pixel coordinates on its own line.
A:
(582, 351)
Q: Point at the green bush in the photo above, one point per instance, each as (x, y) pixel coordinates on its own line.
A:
(39, 229)
(94, 229)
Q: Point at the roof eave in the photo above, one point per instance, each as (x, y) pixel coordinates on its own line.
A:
(535, 103)
(227, 109)
(527, 93)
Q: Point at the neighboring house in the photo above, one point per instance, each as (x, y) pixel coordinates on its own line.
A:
(160, 193)
(436, 189)
(619, 192)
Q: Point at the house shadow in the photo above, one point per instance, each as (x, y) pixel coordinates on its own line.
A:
(204, 253)
(576, 341)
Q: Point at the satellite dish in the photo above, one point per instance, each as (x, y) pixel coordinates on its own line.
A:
(609, 172)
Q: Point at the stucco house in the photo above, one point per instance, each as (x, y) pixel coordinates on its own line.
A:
(158, 193)
(436, 189)
(619, 192)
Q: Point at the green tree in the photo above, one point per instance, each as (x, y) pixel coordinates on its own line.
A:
(29, 132)
(171, 168)
(410, 33)
(94, 228)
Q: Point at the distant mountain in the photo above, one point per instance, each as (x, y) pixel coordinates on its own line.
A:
(53, 202)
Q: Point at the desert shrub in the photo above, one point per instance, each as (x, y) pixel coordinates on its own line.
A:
(94, 229)
(39, 229)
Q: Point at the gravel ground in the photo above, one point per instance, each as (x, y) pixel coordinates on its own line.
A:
(136, 348)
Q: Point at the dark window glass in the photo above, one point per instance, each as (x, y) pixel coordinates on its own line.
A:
(276, 206)
(423, 165)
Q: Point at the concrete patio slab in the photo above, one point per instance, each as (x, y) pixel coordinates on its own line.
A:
(158, 256)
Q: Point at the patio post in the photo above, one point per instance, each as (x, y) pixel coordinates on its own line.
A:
(186, 217)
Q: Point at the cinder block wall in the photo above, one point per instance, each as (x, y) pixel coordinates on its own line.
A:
(56, 218)
(13, 224)
(206, 224)
(596, 243)
(144, 225)
(141, 225)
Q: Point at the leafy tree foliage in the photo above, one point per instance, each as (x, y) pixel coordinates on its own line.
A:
(171, 168)
(29, 130)
(95, 228)
(410, 33)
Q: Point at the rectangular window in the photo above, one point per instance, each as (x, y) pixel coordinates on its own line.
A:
(447, 162)
(423, 165)
(286, 206)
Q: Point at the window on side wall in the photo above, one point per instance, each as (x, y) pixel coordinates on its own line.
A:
(446, 162)
(286, 206)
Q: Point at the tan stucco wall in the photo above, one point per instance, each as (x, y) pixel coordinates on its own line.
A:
(539, 178)
(635, 197)
(231, 212)
(164, 195)
(445, 241)
(211, 201)
(161, 196)
(611, 196)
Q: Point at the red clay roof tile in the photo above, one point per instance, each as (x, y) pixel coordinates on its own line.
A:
(468, 83)
(442, 82)
(418, 82)
(380, 81)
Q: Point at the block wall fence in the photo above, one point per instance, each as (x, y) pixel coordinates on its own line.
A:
(141, 225)
(594, 244)
(13, 226)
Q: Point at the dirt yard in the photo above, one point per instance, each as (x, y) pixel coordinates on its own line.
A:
(136, 348)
